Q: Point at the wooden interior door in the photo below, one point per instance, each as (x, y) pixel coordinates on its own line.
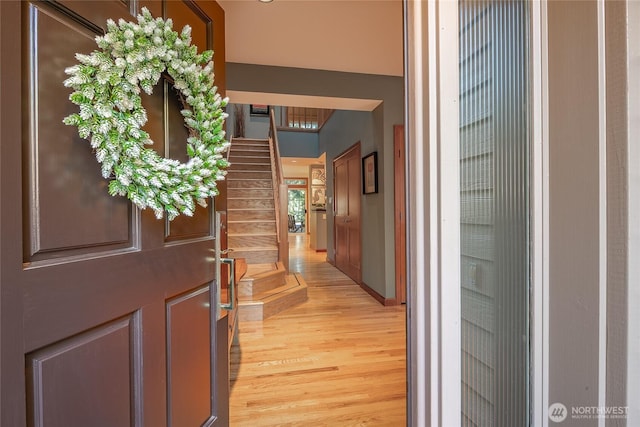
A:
(347, 187)
(107, 313)
(400, 216)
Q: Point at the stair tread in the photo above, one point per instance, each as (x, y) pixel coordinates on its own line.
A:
(241, 178)
(249, 198)
(230, 178)
(249, 209)
(254, 248)
(236, 163)
(236, 221)
(258, 269)
(252, 156)
(260, 233)
(251, 164)
(291, 285)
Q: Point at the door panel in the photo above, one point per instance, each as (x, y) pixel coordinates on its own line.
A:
(107, 308)
(201, 223)
(186, 13)
(56, 156)
(66, 377)
(347, 172)
(188, 344)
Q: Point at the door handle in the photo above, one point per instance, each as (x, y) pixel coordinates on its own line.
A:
(232, 283)
(219, 261)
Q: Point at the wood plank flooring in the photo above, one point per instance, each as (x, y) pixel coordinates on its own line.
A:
(336, 360)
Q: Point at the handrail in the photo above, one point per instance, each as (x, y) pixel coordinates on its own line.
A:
(273, 135)
(279, 194)
(229, 149)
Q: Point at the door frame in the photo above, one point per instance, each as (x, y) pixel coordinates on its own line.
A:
(306, 197)
(433, 236)
(400, 213)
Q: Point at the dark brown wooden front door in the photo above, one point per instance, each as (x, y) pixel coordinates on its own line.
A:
(347, 193)
(106, 312)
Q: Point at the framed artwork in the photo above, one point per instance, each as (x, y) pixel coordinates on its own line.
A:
(318, 196)
(259, 110)
(370, 173)
(318, 176)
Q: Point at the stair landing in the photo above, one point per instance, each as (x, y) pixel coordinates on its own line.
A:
(267, 289)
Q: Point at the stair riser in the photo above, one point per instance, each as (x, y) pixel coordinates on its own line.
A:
(257, 257)
(251, 241)
(253, 288)
(242, 142)
(253, 183)
(250, 167)
(244, 215)
(249, 159)
(251, 227)
(252, 152)
(264, 311)
(250, 203)
(248, 175)
(236, 193)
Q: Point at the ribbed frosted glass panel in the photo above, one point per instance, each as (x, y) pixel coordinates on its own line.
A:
(494, 206)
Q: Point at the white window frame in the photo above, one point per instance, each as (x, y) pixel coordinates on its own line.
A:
(539, 309)
(434, 337)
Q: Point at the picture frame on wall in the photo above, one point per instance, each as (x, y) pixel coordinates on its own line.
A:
(318, 176)
(260, 110)
(370, 173)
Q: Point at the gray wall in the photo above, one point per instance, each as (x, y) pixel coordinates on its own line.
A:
(377, 221)
(574, 209)
(574, 206)
(299, 144)
(291, 144)
(343, 130)
(632, 190)
(617, 207)
(254, 126)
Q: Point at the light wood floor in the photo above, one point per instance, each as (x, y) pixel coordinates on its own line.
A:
(336, 360)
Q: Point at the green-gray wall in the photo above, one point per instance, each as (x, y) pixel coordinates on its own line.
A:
(292, 144)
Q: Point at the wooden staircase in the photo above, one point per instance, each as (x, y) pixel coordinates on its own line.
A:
(267, 288)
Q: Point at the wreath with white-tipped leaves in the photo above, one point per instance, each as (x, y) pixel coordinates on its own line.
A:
(107, 86)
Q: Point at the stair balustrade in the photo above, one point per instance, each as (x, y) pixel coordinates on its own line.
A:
(280, 195)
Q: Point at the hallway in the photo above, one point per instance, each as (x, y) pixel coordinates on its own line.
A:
(336, 360)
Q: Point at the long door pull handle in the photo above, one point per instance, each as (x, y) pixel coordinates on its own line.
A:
(232, 283)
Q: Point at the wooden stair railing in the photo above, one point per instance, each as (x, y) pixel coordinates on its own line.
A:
(280, 194)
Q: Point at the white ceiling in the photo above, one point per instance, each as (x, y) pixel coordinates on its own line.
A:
(359, 36)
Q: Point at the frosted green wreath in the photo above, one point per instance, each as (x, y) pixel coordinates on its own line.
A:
(107, 87)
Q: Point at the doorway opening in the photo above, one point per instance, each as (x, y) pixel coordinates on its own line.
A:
(297, 210)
